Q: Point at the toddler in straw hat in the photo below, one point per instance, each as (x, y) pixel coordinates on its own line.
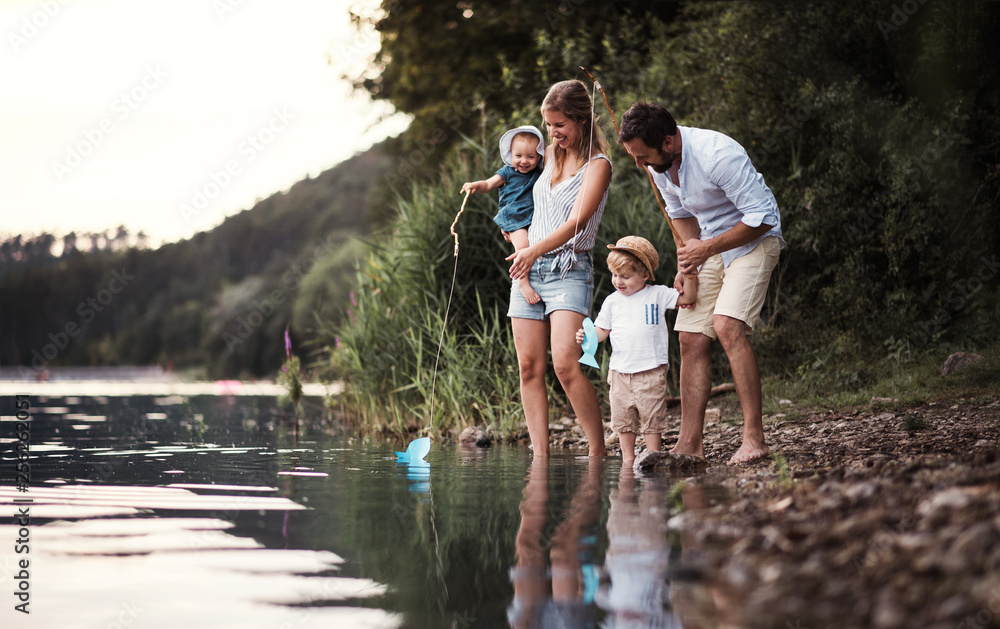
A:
(522, 150)
(633, 317)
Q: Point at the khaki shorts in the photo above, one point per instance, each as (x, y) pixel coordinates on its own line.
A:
(736, 292)
(638, 400)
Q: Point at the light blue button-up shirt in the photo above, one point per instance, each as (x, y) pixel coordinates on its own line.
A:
(718, 185)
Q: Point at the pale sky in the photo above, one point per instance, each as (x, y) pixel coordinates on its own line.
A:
(169, 115)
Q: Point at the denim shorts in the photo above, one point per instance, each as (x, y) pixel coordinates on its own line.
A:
(574, 292)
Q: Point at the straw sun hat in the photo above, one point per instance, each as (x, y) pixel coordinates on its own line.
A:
(640, 248)
(508, 138)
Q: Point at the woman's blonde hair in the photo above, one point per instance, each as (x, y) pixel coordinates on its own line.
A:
(570, 98)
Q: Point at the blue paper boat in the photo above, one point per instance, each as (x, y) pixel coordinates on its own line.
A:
(589, 343)
(416, 451)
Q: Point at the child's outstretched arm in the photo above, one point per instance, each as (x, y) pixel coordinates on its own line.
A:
(492, 183)
(601, 334)
(690, 294)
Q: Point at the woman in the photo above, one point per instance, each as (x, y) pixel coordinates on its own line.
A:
(569, 201)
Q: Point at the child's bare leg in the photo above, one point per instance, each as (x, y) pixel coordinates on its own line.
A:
(627, 439)
(652, 440)
(519, 239)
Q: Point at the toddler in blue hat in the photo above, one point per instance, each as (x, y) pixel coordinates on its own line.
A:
(522, 150)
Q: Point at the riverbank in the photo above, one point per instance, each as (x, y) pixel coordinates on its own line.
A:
(877, 517)
(884, 514)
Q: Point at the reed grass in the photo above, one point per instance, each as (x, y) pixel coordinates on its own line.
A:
(428, 347)
(387, 352)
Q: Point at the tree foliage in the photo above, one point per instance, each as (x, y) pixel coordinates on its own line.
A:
(877, 131)
(873, 122)
(458, 66)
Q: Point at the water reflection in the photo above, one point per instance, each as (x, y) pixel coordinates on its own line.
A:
(218, 511)
(638, 557)
(163, 513)
(555, 578)
(418, 475)
(648, 576)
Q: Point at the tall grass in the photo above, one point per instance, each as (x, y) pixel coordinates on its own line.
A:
(387, 351)
(407, 312)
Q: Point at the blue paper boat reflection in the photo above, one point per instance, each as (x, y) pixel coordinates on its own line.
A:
(418, 471)
(418, 475)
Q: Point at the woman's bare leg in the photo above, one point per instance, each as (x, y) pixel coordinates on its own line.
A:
(566, 353)
(531, 340)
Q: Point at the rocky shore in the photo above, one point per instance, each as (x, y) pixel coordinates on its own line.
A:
(886, 516)
(882, 517)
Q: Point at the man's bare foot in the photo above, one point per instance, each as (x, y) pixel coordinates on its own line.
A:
(700, 452)
(748, 453)
(528, 292)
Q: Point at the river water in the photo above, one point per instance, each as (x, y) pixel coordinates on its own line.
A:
(165, 511)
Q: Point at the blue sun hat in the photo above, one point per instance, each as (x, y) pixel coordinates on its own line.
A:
(507, 138)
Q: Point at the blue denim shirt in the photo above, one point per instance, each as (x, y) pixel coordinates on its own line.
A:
(719, 186)
(516, 203)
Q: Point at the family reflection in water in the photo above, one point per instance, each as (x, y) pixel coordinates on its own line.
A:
(558, 580)
(555, 579)
(638, 556)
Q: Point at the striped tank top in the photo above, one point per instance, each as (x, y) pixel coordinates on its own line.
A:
(552, 208)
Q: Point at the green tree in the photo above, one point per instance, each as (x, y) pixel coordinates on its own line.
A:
(457, 66)
(881, 145)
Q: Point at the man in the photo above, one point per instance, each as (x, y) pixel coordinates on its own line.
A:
(728, 221)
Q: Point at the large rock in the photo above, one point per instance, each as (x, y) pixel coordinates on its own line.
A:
(475, 436)
(653, 462)
(959, 361)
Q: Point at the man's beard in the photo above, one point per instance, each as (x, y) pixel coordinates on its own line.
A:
(666, 159)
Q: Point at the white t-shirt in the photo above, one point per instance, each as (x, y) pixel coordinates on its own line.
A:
(639, 333)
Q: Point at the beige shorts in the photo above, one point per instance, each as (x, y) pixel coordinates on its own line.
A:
(736, 292)
(638, 400)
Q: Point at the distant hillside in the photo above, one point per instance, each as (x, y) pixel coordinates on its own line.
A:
(219, 300)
